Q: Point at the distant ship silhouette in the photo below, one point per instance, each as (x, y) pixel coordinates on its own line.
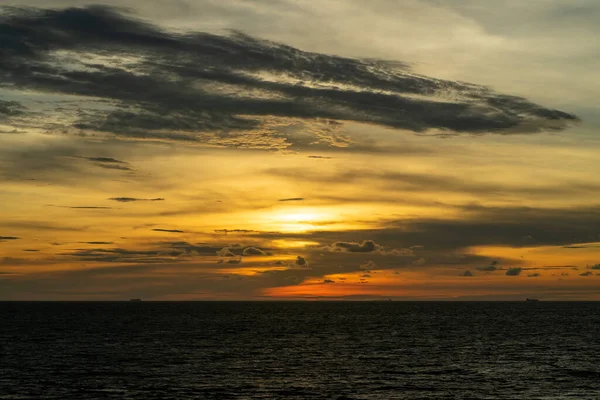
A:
(135, 300)
(528, 299)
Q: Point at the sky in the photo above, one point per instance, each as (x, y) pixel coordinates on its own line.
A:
(299, 150)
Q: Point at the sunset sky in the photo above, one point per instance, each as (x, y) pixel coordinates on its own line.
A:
(299, 149)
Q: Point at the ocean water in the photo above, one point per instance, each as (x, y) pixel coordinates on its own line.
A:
(300, 350)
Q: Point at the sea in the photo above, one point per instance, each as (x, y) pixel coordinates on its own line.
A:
(299, 350)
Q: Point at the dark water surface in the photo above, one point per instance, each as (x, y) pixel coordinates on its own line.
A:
(318, 350)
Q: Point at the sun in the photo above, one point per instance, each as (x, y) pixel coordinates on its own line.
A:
(297, 219)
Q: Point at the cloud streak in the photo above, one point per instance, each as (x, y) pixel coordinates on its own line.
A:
(133, 199)
(87, 207)
(109, 163)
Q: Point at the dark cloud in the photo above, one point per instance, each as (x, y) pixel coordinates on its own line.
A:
(132, 199)
(514, 271)
(109, 160)
(253, 251)
(155, 84)
(588, 273)
(367, 246)
(534, 275)
(320, 157)
(597, 266)
(328, 281)
(9, 109)
(292, 199)
(467, 273)
(168, 230)
(301, 262)
(6, 238)
(110, 163)
(97, 243)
